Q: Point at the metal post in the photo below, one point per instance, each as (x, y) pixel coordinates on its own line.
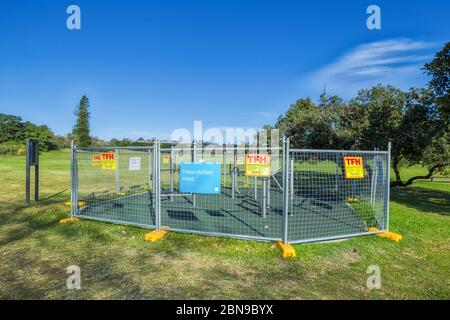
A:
(73, 181)
(256, 188)
(268, 193)
(388, 184)
(150, 169)
(372, 177)
(27, 174)
(117, 172)
(233, 173)
(75, 170)
(32, 148)
(194, 158)
(233, 182)
(291, 180)
(155, 183)
(171, 173)
(159, 183)
(158, 186)
(374, 191)
(36, 175)
(284, 235)
(336, 175)
(154, 175)
(264, 197)
(374, 180)
(224, 161)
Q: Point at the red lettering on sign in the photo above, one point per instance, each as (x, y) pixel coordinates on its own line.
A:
(258, 159)
(108, 156)
(353, 161)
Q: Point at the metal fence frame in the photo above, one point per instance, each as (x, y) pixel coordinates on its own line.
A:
(193, 149)
(77, 204)
(154, 180)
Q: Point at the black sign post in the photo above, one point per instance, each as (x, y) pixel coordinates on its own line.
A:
(32, 161)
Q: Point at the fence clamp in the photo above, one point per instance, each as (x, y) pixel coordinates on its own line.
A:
(155, 235)
(390, 235)
(287, 250)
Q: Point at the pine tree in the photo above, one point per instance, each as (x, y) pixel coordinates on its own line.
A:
(81, 128)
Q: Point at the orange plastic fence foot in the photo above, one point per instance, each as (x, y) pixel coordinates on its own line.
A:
(390, 235)
(155, 235)
(68, 220)
(80, 203)
(287, 250)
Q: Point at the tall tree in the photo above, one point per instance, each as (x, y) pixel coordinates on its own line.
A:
(409, 120)
(81, 129)
(439, 70)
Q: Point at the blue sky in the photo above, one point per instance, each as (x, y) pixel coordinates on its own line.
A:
(150, 67)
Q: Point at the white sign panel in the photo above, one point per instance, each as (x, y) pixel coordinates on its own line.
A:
(135, 164)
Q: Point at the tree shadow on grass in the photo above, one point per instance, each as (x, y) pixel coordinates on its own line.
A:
(61, 195)
(25, 229)
(423, 199)
(28, 219)
(45, 256)
(100, 276)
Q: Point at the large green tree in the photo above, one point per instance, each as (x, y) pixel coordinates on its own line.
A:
(439, 70)
(409, 120)
(329, 124)
(81, 129)
(308, 125)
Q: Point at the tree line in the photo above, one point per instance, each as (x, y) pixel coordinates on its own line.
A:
(14, 131)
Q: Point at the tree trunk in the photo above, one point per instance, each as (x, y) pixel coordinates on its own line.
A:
(398, 180)
(431, 171)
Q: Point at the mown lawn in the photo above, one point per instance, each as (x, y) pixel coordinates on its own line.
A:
(116, 262)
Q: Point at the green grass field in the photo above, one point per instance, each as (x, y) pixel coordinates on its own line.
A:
(116, 262)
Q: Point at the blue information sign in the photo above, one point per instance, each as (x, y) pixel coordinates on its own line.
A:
(200, 177)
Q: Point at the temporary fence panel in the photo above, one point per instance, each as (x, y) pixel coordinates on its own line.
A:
(115, 185)
(224, 201)
(337, 194)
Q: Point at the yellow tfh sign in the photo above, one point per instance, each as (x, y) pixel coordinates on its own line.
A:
(257, 165)
(108, 161)
(354, 168)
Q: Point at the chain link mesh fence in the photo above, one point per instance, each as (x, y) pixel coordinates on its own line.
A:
(247, 207)
(307, 195)
(115, 185)
(325, 204)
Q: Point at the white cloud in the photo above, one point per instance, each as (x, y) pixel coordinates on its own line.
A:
(395, 61)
